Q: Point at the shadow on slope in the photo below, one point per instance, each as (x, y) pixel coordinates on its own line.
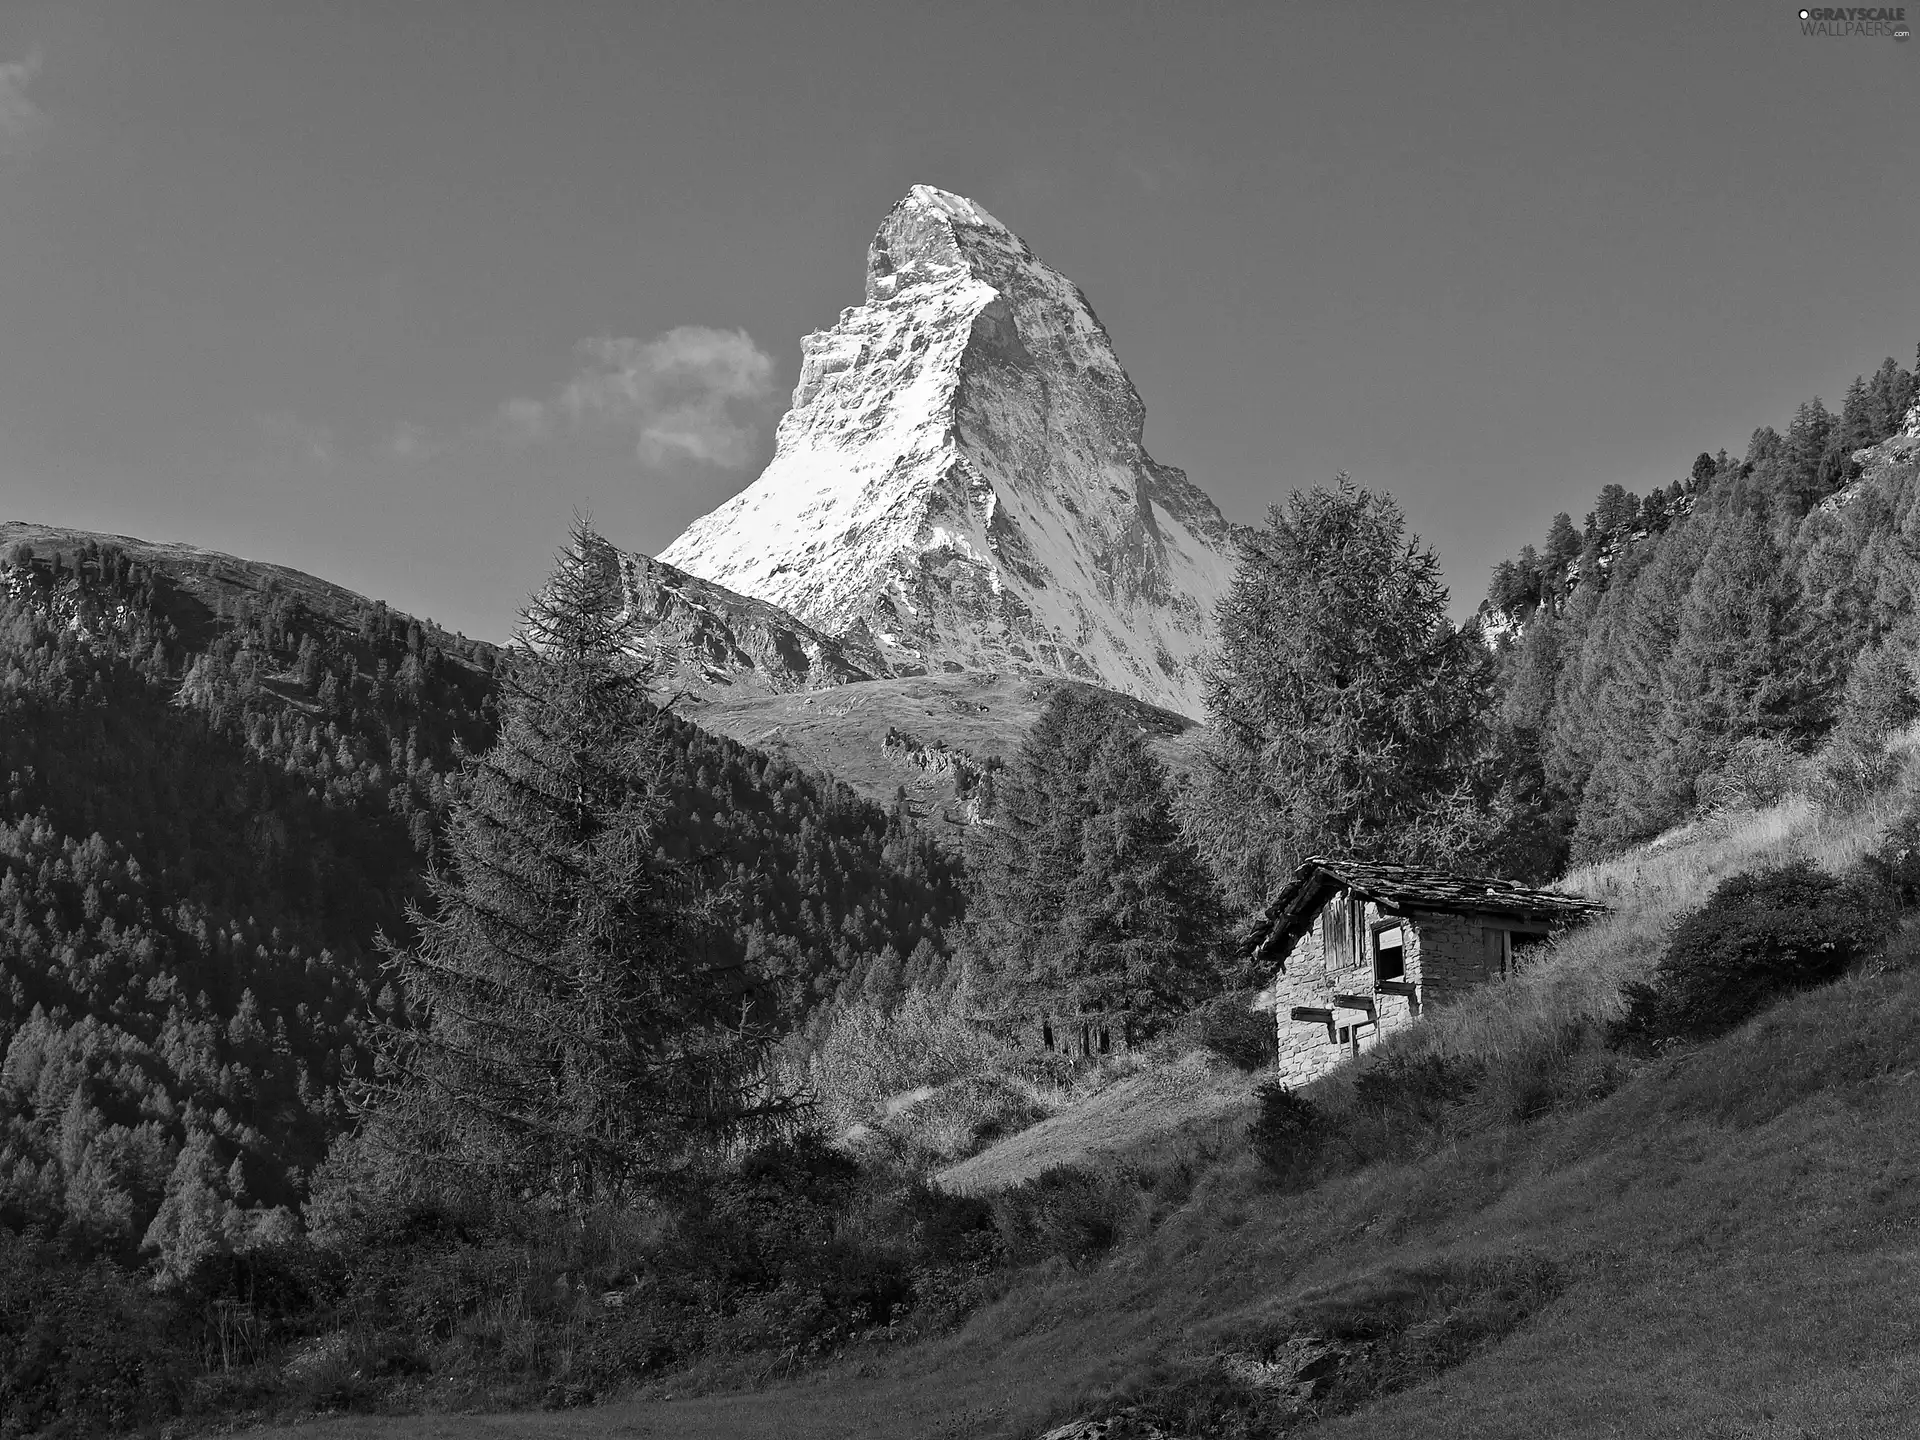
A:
(1722, 1244)
(1724, 1247)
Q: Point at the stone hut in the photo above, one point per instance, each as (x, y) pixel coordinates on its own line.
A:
(1365, 949)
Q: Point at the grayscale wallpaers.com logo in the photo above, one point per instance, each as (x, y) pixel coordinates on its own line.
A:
(1864, 22)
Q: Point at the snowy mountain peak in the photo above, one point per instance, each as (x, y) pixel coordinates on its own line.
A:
(960, 483)
(933, 235)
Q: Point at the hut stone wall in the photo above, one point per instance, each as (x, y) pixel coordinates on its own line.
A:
(1444, 956)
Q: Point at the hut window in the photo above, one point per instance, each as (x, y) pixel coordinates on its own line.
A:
(1344, 931)
(1389, 953)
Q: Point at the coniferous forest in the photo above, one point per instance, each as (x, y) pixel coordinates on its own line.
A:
(356, 973)
(1692, 645)
(209, 821)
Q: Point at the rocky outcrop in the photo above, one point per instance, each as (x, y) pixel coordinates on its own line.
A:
(960, 483)
(700, 635)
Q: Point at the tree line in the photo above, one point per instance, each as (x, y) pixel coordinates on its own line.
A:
(1673, 653)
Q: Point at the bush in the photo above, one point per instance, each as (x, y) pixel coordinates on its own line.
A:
(1229, 1026)
(1547, 1068)
(1760, 935)
(1895, 866)
(83, 1347)
(1422, 1088)
(1067, 1212)
(871, 1053)
(1287, 1133)
(771, 1214)
(1760, 770)
(1849, 771)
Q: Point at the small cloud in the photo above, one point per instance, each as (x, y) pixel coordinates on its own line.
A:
(286, 437)
(526, 419)
(21, 120)
(691, 391)
(411, 442)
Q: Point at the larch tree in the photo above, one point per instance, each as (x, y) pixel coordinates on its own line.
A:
(570, 1036)
(1345, 709)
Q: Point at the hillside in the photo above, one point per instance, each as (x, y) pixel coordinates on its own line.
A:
(1685, 648)
(1718, 1242)
(1189, 1092)
(224, 780)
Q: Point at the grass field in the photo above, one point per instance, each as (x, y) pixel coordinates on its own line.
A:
(1732, 1236)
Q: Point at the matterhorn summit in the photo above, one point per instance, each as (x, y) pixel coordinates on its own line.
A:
(960, 484)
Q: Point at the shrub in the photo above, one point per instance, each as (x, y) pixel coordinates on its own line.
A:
(1758, 771)
(1760, 935)
(771, 1213)
(1421, 1088)
(871, 1053)
(244, 1305)
(1067, 1212)
(1286, 1133)
(1849, 770)
(83, 1347)
(1229, 1026)
(958, 1118)
(1895, 866)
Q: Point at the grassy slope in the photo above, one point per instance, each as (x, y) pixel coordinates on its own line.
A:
(842, 731)
(1738, 1229)
(1163, 1098)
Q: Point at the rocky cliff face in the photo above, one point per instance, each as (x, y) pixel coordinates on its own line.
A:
(960, 483)
(700, 635)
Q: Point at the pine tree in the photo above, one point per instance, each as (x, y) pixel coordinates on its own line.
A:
(1087, 898)
(1722, 681)
(1602, 745)
(570, 1038)
(1889, 396)
(1815, 462)
(1143, 915)
(1561, 550)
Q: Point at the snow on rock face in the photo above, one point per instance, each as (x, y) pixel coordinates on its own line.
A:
(960, 483)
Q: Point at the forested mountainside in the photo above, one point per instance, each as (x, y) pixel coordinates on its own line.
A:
(222, 781)
(1687, 647)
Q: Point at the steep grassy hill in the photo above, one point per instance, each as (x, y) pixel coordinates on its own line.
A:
(1720, 1241)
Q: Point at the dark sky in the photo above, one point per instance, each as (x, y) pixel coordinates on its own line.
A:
(384, 290)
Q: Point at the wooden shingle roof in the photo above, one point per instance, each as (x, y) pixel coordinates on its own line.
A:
(1405, 889)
